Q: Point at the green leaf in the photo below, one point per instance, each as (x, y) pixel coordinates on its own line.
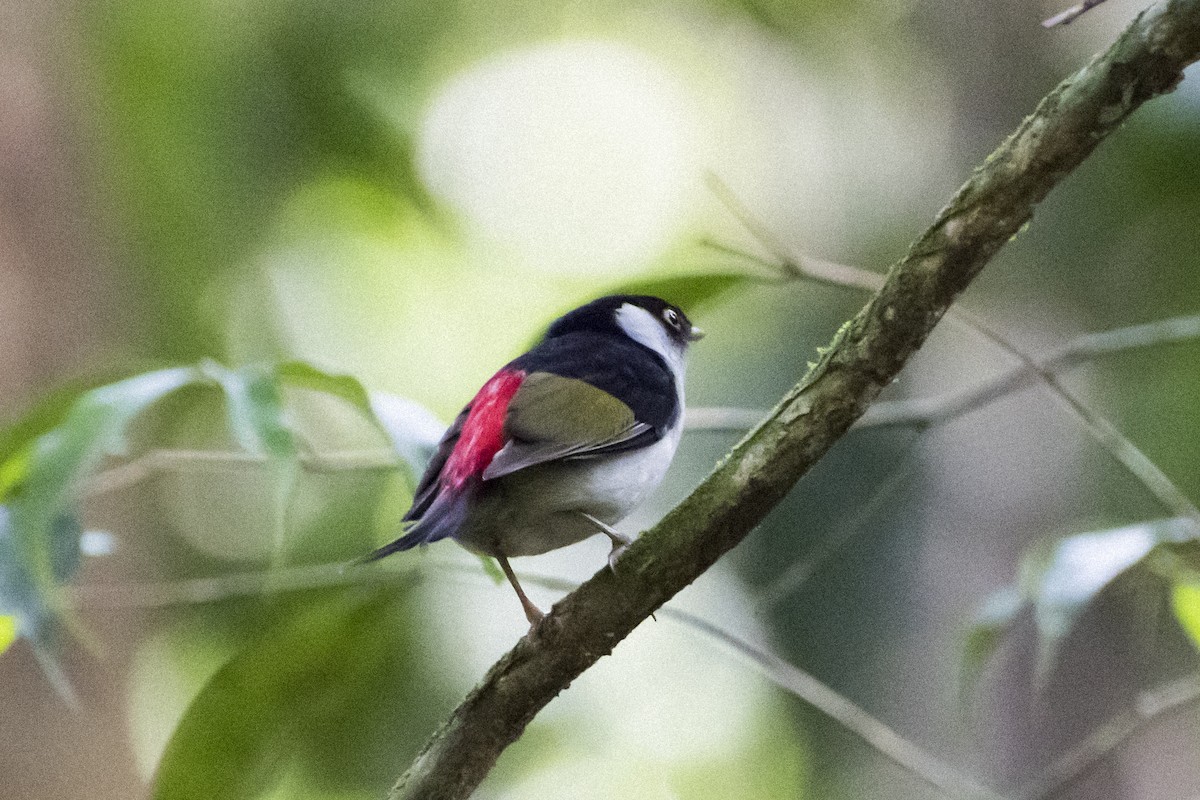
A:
(414, 431)
(692, 293)
(1061, 578)
(254, 407)
(257, 419)
(24, 612)
(303, 375)
(411, 429)
(295, 685)
(492, 570)
(1185, 602)
(8, 631)
(1080, 567)
(17, 440)
(42, 481)
(18, 437)
(14, 470)
(986, 635)
(18, 599)
(63, 457)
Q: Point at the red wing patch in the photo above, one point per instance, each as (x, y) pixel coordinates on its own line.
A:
(483, 431)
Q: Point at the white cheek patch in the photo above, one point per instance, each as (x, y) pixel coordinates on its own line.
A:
(644, 328)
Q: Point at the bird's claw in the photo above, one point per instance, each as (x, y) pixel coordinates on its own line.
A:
(617, 551)
(620, 542)
(534, 614)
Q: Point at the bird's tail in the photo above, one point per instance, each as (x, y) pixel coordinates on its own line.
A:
(408, 541)
(442, 519)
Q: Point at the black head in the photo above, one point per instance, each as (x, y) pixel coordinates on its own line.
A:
(622, 314)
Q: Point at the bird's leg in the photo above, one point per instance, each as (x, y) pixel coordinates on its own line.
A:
(620, 542)
(532, 612)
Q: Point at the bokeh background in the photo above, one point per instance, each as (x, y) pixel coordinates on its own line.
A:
(407, 193)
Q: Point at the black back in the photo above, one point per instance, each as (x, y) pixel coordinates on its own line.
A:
(629, 371)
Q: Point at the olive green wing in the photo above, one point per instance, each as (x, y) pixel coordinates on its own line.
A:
(551, 418)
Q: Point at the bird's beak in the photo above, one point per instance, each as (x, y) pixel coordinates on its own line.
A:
(695, 334)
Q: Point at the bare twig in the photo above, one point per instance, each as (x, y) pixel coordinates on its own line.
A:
(194, 591)
(1103, 432)
(762, 233)
(796, 575)
(1149, 706)
(920, 412)
(927, 412)
(1076, 762)
(865, 356)
(788, 264)
(153, 462)
(786, 676)
(840, 709)
(1071, 14)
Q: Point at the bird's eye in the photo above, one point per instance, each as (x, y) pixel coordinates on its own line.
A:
(672, 317)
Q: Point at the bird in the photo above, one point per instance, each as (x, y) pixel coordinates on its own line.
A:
(562, 442)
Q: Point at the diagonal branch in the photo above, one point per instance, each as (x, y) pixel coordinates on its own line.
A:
(866, 354)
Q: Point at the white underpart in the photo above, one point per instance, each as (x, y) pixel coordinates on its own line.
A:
(626, 480)
(649, 465)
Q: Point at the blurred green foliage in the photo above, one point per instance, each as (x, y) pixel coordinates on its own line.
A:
(1061, 579)
(1186, 600)
(210, 119)
(296, 695)
(255, 169)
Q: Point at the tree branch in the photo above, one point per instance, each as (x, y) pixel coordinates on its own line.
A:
(866, 354)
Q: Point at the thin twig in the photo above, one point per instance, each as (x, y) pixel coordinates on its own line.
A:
(931, 411)
(1071, 14)
(843, 532)
(196, 591)
(1149, 706)
(764, 235)
(842, 710)
(1104, 740)
(925, 412)
(152, 462)
(790, 264)
(1103, 432)
(786, 676)
(935, 410)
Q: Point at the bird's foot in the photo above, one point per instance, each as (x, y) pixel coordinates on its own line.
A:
(620, 542)
(619, 546)
(532, 613)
